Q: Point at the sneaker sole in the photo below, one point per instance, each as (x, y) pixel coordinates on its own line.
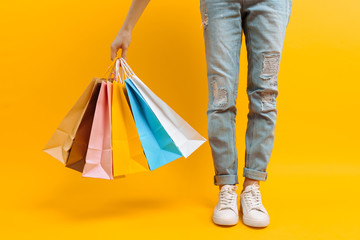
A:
(227, 222)
(253, 223)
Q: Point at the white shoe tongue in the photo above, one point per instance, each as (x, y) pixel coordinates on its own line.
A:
(249, 187)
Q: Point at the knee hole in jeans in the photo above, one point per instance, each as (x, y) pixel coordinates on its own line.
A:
(220, 95)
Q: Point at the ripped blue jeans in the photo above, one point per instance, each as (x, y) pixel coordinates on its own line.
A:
(264, 23)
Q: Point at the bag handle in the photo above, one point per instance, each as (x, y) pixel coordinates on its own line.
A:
(127, 68)
(110, 69)
(114, 69)
(124, 74)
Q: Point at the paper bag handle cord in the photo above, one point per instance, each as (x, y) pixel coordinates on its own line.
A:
(126, 67)
(127, 74)
(124, 74)
(110, 68)
(117, 72)
(116, 64)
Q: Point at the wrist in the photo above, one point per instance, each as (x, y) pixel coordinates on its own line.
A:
(126, 28)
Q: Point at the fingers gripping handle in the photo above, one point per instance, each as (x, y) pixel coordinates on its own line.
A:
(119, 69)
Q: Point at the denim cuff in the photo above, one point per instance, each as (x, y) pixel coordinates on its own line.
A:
(254, 174)
(226, 179)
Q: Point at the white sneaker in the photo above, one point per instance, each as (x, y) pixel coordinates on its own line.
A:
(254, 213)
(226, 210)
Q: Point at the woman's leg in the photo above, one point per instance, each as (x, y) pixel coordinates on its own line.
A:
(222, 35)
(264, 24)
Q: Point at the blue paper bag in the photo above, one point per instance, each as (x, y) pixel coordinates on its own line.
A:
(158, 146)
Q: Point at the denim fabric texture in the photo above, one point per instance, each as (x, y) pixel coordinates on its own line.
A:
(264, 24)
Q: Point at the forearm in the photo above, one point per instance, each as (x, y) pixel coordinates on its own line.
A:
(136, 9)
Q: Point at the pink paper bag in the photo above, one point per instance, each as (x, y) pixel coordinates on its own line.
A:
(98, 160)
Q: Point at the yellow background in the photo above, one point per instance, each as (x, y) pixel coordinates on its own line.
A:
(50, 50)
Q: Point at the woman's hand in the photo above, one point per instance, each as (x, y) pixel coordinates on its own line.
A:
(122, 40)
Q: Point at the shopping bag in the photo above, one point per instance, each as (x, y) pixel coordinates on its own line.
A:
(184, 136)
(79, 147)
(158, 147)
(62, 139)
(128, 155)
(98, 159)
(113, 130)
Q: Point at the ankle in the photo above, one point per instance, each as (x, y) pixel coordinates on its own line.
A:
(249, 181)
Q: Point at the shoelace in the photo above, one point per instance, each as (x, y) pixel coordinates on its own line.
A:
(253, 198)
(227, 197)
